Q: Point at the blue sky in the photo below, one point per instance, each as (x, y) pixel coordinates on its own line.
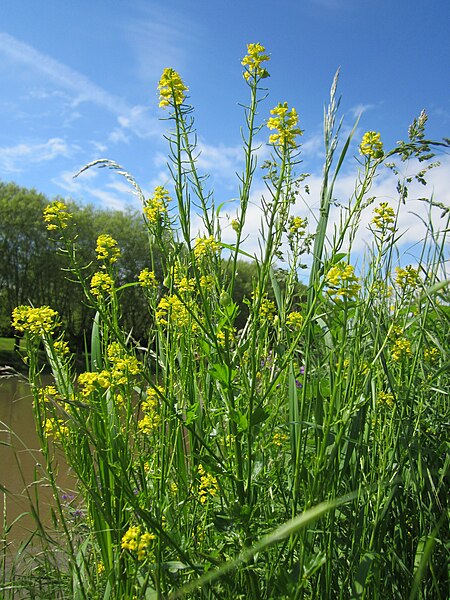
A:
(78, 82)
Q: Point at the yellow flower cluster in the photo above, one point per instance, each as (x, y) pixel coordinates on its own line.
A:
(401, 347)
(151, 419)
(56, 216)
(371, 145)
(36, 321)
(185, 284)
(61, 347)
(101, 284)
(208, 485)
(156, 206)
(90, 381)
(48, 391)
(386, 398)
(107, 248)
(384, 217)
(171, 89)
(206, 247)
(297, 225)
(279, 439)
(431, 354)
(285, 123)
(123, 367)
(147, 279)
(252, 62)
(267, 309)
(171, 310)
(207, 282)
(342, 281)
(137, 542)
(294, 320)
(55, 428)
(407, 277)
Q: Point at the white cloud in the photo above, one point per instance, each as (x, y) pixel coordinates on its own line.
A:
(360, 109)
(66, 181)
(161, 37)
(118, 135)
(222, 162)
(108, 200)
(414, 214)
(82, 89)
(14, 159)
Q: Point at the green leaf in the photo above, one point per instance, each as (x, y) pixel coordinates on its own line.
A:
(222, 372)
(259, 415)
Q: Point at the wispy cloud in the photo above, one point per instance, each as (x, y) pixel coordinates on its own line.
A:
(82, 89)
(413, 215)
(360, 109)
(14, 159)
(161, 37)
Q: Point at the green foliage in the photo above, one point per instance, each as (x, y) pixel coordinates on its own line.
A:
(294, 450)
(32, 271)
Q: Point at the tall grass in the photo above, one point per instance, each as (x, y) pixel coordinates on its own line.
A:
(302, 456)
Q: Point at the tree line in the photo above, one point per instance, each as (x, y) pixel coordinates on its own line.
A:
(33, 271)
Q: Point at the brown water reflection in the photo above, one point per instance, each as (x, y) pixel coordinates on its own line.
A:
(21, 462)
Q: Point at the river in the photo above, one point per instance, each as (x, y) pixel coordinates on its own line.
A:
(21, 470)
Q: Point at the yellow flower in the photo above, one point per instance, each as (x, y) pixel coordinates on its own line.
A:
(156, 207)
(206, 247)
(171, 89)
(252, 62)
(172, 311)
(185, 285)
(56, 216)
(151, 419)
(149, 423)
(55, 428)
(61, 347)
(123, 366)
(285, 123)
(297, 225)
(107, 248)
(386, 398)
(279, 439)
(49, 390)
(401, 347)
(207, 282)
(294, 320)
(91, 381)
(208, 485)
(371, 145)
(267, 309)
(384, 217)
(431, 354)
(101, 284)
(135, 541)
(407, 278)
(147, 279)
(129, 539)
(342, 281)
(36, 321)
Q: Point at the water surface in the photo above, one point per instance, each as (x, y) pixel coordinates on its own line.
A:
(21, 463)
